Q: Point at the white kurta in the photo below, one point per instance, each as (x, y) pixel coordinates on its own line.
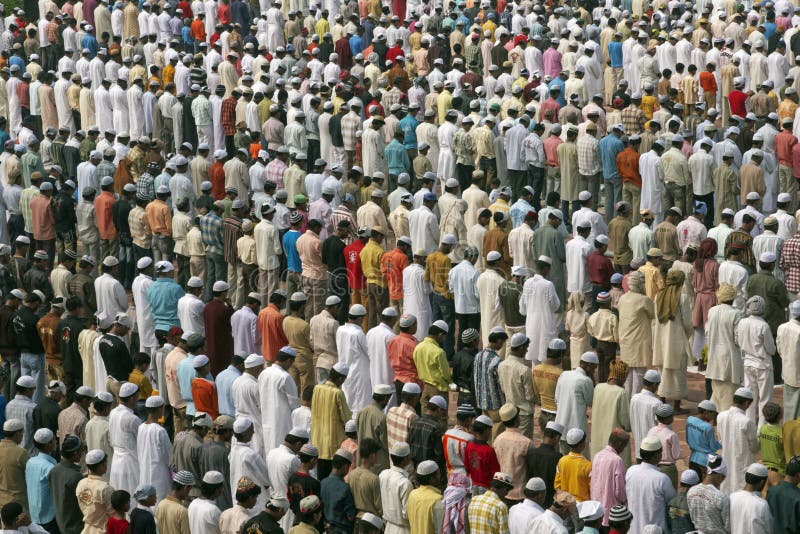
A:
(491, 313)
(416, 298)
(574, 395)
(737, 433)
(190, 314)
(520, 515)
(351, 343)
(110, 294)
(246, 397)
(123, 429)
(278, 395)
(119, 104)
(446, 167)
(652, 184)
(246, 461)
(577, 251)
(648, 491)
(144, 314)
(424, 229)
(100, 373)
(204, 516)
(155, 457)
(103, 111)
(539, 303)
(643, 416)
(135, 112)
(245, 331)
(281, 464)
(380, 370)
(749, 513)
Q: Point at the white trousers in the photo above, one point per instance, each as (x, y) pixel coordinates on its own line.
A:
(760, 382)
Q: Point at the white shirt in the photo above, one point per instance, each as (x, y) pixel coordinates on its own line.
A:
(749, 513)
(520, 246)
(155, 458)
(416, 298)
(395, 488)
(640, 239)
(246, 337)
(548, 522)
(351, 344)
(596, 221)
(123, 430)
(246, 461)
(737, 433)
(111, 297)
(735, 274)
(574, 394)
(378, 338)
(643, 416)
(204, 516)
(578, 250)
(539, 302)
(424, 229)
(190, 314)
(246, 398)
(463, 283)
(521, 515)
(649, 491)
(788, 344)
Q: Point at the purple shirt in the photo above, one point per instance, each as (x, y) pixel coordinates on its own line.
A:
(551, 62)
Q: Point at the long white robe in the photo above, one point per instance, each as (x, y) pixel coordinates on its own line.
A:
(216, 115)
(278, 396)
(62, 104)
(144, 314)
(103, 110)
(281, 464)
(643, 416)
(446, 165)
(424, 229)
(351, 344)
(155, 457)
(491, 312)
(380, 370)
(204, 516)
(246, 397)
(123, 427)
(539, 303)
(246, 461)
(135, 112)
(14, 109)
(119, 104)
(416, 298)
(574, 395)
(110, 294)
(737, 433)
(373, 152)
(652, 184)
(100, 373)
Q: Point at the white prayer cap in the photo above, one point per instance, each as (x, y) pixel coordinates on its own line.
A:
(449, 239)
(105, 396)
(85, 391)
(389, 312)
(651, 443)
(412, 388)
(195, 282)
(441, 325)
(154, 402)
(535, 484)
(407, 320)
(382, 389)
(519, 339)
(744, 393)
(708, 405)
(299, 432)
(591, 510)
(493, 256)
(213, 477)
(757, 470)
(220, 286)
(519, 270)
(373, 520)
(428, 467)
(689, 477)
(555, 427)
(602, 239)
(110, 261)
(652, 376)
(95, 456)
(545, 259)
(438, 400)
(590, 357)
(583, 196)
(574, 436)
(752, 195)
(767, 257)
(784, 197)
(128, 389)
(13, 425)
(484, 420)
(43, 436)
(333, 300)
(254, 360)
(341, 368)
(557, 344)
(242, 424)
(202, 419)
(144, 262)
(557, 214)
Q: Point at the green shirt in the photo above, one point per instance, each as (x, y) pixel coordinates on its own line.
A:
(784, 503)
(770, 438)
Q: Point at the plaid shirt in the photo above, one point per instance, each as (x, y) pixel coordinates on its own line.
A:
(425, 441)
(633, 120)
(398, 421)
(140, 230)
(211, 232)
(231, 232)
(351, 123)
(273, 172)
(588, 155)
(473, 53)
(52, 32)
(464, 148)
(790, 263)
(487, 381)
(146, 186)
(487, 514)
(228, 113)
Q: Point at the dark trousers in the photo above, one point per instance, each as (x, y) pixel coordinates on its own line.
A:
(16, 228)
(464, 175)
(489, 168)
(49, 246)
(183, 269)
(324, 468)
(445, 309)
(708, 199)
(536, 178)
(565, 209)
(313, 154)
(127, 264)
(606, 352)
(337, 285)
(518, 179)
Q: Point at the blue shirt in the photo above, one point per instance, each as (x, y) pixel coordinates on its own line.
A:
(609, 147)
(339, 505)
(408, 125)
(163, 295)
(518, 211)
(615, 54)
(356, 45)
(90, 42)
(701, 440)
(396, 157)
(290, 247)
(224, 382)
(40, 499)
(186, 374)
(3, 403)
(558, 82)
(186, 34)
(16, 60)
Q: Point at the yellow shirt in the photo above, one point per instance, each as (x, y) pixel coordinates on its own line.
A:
(329, 413)
(491, 26)
(322, 27)
(371, 256)
(573, 475)
(437, 270)
(653, 280)
(145, 387)
(649, 105)
(444, 102)
(425, 510)
(545, 378)
(432, 366)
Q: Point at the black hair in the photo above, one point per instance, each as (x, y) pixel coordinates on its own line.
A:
(367, 447)
(119, 498)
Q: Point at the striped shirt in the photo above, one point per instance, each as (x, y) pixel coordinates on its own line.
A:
(145, 186)
(487, 381)
(140, 230)
(273, 172)
(25, 206)
(211, 232)
(21, 407)
(231, 232)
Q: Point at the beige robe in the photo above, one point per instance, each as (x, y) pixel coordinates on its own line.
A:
(86, 106)
(671, 350)
(610, 410)
(491, 313)
(47, 101)
(636, 314)
(726, 185)
(570, 179)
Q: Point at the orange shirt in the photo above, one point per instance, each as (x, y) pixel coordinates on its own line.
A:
(628, 166)
(105, 222)
(204, 395)
(217, 178)
(270, 325)
(392, 265)
(708, 82)
(159, 218)
(198, 30)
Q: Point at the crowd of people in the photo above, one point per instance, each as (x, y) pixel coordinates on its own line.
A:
(422, 268)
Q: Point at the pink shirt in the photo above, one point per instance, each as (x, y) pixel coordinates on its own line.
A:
(669, 441)
(608, 480)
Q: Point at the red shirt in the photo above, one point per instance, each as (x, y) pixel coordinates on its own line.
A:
(600, 269)
(352, 261)
(401, 357)
(204, 394)
(550, 146)
(708, 82)
(44, 225)
(224, 14)
(736, 99)
(784, 143)
(628, 166)
(480, 462)
(796, 160)
(228, 115)
(217, 177)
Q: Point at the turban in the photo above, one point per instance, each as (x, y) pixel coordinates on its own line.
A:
(726, 293)
(755, 305)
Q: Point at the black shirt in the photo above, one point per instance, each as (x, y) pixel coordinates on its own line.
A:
(142, 522)
(27, 337)
(542, 463)
(119, 215)
(64, 478)
(333, 255)
(64, 212)
(45, 415)
(116, 357)
(263, 523)
(68, 330)
(8, 344)
(463, 365)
